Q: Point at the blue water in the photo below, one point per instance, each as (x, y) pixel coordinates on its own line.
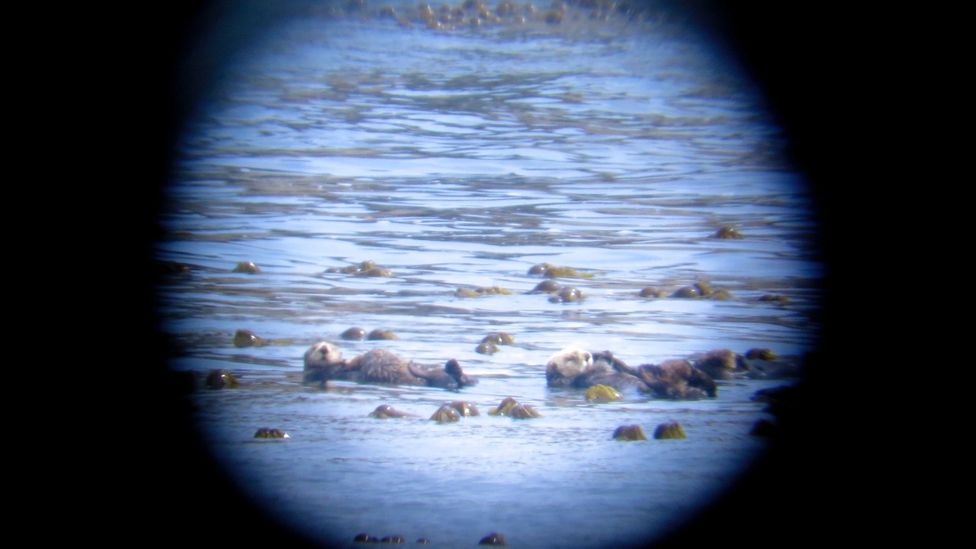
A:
(457, 159)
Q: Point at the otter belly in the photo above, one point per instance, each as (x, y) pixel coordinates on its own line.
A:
(619, 381)
(379, 366)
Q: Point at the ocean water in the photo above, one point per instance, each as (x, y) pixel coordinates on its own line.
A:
(616, 143)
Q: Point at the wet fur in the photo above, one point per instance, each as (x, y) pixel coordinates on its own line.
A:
(323, 361)
(677, 379)
(672, 379)
(565, 366)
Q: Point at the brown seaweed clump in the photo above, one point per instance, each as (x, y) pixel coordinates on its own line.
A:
(547, 286)
(502, 409)
(482, 291)
(354, 333)
(549, 270)
(487, 348)
(363, 268)
(464, 408)
(247, 338)
(760, 354)
(523, 411)
(385, 411)
(248, 267)
(702, 290)
(493, 538)
(500, 338)
(602, 393)
(727, 232)
(687, 292)
(629, 432)
(567, 294)
(265, 432)
(446, 414)
(489, 344)
(514, 409)
(220, 378)
(670, 429)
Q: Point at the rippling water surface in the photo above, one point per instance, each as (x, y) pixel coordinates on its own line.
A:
(459, 158)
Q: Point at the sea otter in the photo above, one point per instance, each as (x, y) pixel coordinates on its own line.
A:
(725, 364)
(578, 368)
(675, 379)
(323, 361)
(566, 366)
(672, 379)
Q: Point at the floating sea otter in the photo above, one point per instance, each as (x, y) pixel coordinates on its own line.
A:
(674, 379)
(323, 361)
(575, 367)
(755, 363)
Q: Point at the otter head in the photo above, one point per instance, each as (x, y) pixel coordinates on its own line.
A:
(568, 363)
(323, 354)
(322, 361)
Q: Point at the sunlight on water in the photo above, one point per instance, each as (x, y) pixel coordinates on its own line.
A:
(459, 158)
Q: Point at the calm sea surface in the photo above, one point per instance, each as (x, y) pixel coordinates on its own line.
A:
(459, 158)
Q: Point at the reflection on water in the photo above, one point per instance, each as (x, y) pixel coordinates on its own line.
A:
(459, 158)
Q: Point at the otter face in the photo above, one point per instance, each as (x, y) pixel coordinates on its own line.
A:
(570, 362)
(322, 354)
